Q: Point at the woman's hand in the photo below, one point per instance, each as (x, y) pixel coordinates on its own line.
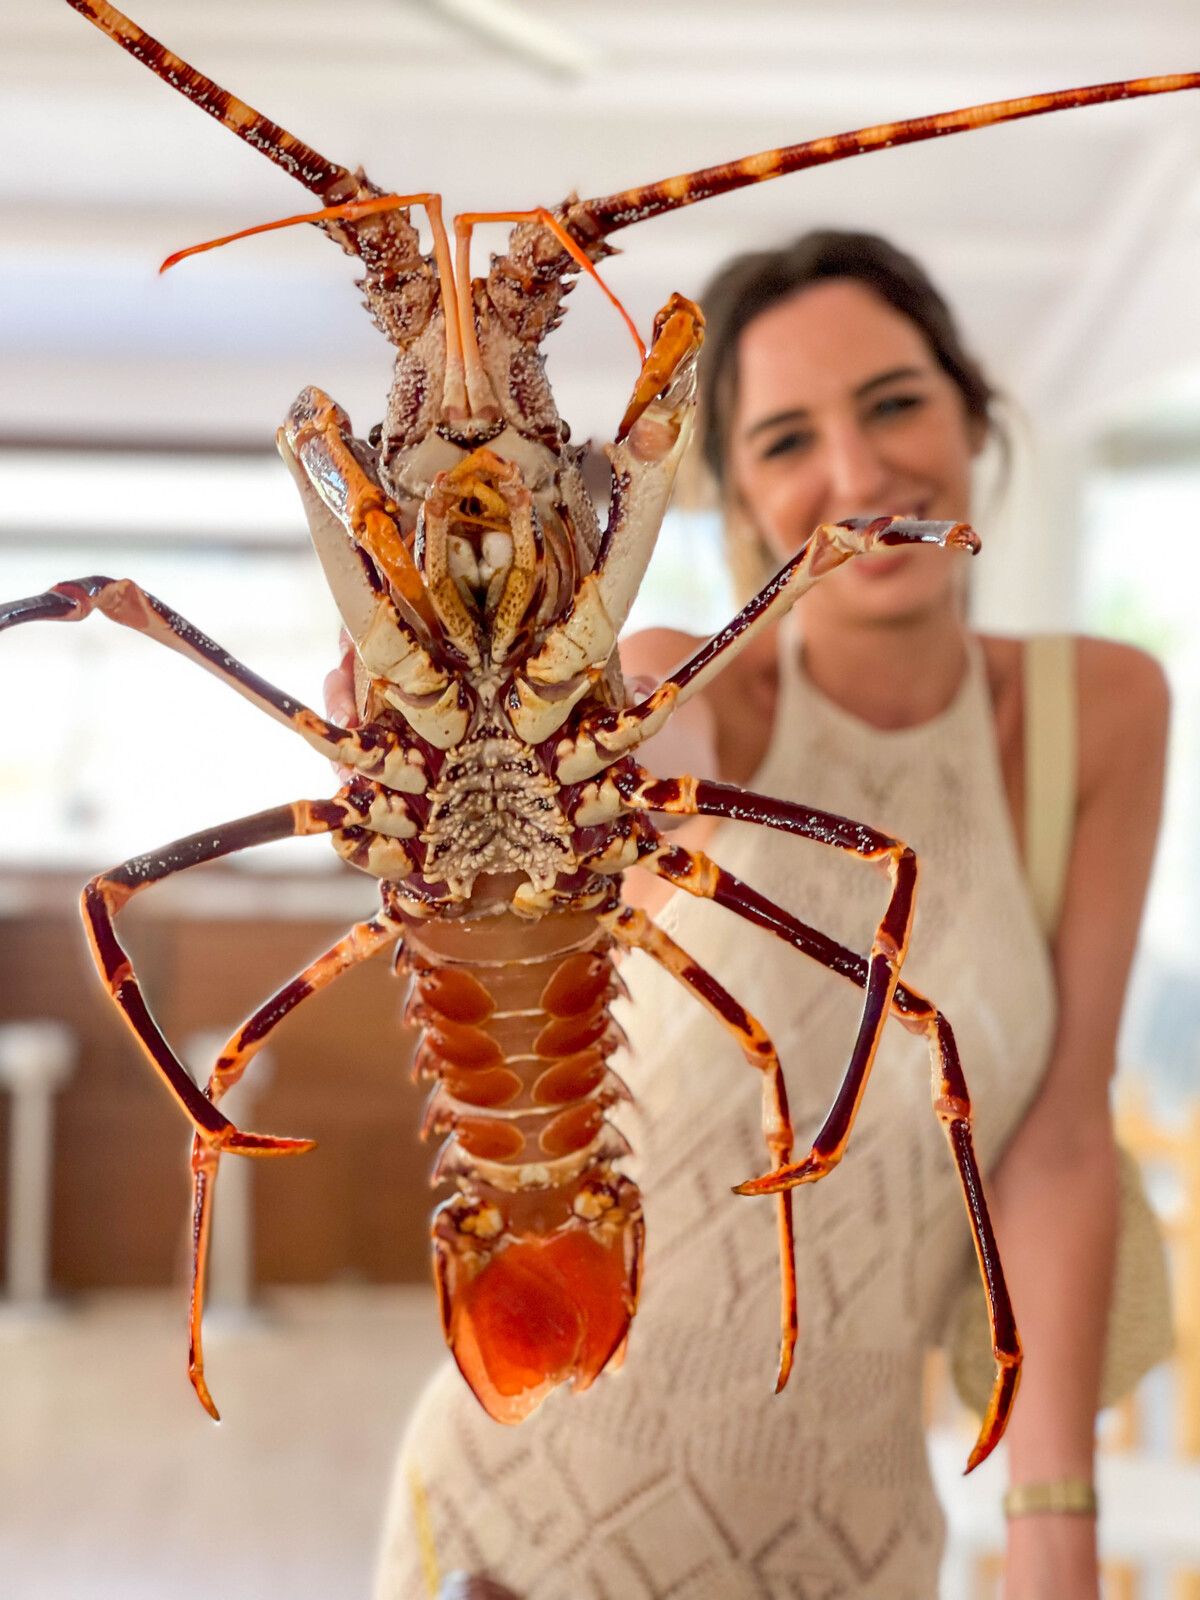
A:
(1051, 1557)
(687, 745)
(340, 705)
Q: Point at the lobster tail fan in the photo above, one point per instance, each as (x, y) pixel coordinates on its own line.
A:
(591, 221)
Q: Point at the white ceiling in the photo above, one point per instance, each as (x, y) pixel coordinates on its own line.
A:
(1068, 243)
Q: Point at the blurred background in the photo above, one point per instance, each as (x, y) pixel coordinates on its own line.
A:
(136, 424)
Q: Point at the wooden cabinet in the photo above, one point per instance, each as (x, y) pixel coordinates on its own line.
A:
(357, 1206)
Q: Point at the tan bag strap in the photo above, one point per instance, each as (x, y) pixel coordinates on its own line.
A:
(1051, 755)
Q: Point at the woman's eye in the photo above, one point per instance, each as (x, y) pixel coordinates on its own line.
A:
(787, 444)
(892, 404)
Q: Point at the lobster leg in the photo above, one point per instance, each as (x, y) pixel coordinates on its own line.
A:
(699, 797)
(363, 941)
(636, 931)
(350, 517)
(318, 437)
(106, 894)
(644, 462)
(603, 737)
(698, 875)
(370, 751)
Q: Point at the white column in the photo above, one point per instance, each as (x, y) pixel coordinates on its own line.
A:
(1026, 577)
(36, 1059)
(231, 1285)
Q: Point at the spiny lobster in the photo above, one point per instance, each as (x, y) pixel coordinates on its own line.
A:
(492, 786)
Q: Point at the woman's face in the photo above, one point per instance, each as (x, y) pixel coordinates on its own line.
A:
(843, 411)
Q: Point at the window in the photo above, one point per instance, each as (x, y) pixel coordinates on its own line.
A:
(113, 744)
(1140, 578)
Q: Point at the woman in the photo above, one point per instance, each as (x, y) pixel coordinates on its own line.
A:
(836, 385)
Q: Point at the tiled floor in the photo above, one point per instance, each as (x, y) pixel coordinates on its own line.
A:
(114, 1485)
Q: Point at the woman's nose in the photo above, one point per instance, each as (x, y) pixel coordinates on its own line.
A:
(857, 475)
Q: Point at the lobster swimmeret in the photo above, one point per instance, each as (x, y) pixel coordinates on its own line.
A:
(493, 789)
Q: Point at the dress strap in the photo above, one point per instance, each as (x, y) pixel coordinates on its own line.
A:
(1051, 740)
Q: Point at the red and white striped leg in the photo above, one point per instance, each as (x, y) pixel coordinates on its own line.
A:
(635, 930)
(362, 942)
(605, 736)
(697, 874)
(373, 752)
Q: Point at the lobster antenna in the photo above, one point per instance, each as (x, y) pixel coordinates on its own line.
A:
(295, 157)
(595, 219)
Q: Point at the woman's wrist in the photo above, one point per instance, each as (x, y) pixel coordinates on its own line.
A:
(1051, 1556)
(1071, 1496)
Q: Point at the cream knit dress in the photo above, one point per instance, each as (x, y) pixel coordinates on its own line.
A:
(683, 1475)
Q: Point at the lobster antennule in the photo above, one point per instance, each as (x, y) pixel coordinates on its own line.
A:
(593, 220)
(304, 163)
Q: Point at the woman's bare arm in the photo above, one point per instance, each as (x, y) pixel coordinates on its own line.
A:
(1056, 1188)
(688, 743)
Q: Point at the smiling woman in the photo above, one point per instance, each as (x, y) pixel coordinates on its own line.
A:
(869, 365)
(836, 379)
(835, 384)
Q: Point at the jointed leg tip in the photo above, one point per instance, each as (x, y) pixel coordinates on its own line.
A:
(264, 1144)
(995, 1422)
(979, 1455)
(757, 1186)
(781, 1181)
(205, 1399)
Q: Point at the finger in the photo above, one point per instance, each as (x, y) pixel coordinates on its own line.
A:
(339, 692)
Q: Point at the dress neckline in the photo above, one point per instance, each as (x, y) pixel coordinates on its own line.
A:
(799, 696)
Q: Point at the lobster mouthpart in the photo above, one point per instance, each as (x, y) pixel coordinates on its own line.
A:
(539, 1309)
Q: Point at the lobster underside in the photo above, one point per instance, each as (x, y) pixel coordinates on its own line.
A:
(538, 1256)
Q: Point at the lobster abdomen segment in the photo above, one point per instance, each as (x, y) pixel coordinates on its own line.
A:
(538, 1256)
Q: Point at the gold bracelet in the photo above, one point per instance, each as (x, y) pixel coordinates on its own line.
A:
(1073, 1496)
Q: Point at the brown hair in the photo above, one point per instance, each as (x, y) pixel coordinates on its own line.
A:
(749, 284)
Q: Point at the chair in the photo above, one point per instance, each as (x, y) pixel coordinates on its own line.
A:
(1149, 1466)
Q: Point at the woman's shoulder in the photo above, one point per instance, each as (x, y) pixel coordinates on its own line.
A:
(1121, 693)
(654, 651)
(749, 672)
(1123, 674)
(1114, 679)
(1124, 708)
